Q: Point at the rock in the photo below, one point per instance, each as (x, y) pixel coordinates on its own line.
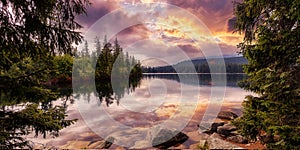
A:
(216, 142)
(167, 138)
(228, 115)
(234, 133)
(140, 145)
(215, 135)
(194, 146)
(207, 132)
(238, 139)
(181, 146)
(215, 126)
(226, 129)
(93, 145)
(76, 145)
(104, 144)
(201, 145)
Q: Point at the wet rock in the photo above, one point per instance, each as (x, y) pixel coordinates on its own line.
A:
(207, 132)
(228, 115)
(238, 139)
(215, 141)
(167, 138)
(215, 126)
(104, 144)
(226, 129)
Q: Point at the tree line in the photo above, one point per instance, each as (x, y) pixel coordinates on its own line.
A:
(232, 65)
(110, 61)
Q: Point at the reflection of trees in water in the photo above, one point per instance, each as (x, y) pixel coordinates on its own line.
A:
(204, 79)
(26, 110)
(106, 90)
(109, 92)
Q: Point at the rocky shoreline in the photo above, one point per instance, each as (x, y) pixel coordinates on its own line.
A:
(221, 135)
(222, 131)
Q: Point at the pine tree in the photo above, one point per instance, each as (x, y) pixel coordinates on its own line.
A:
(32, 34)
(86, 49)
(271, 45)
(105, 40)
(97, 46)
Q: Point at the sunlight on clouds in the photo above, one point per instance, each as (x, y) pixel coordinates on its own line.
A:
(173, 26)
(147, 1)
(229, 38)
(180, 31)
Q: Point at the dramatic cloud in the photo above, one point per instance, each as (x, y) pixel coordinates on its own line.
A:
(163, 30)
(214, 13)
(95, 11)
(132, 35)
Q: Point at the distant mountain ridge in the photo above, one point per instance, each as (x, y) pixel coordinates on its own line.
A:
(227, 60)
(202, 65)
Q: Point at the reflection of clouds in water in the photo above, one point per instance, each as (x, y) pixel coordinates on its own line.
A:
(140, 122)
(155, 91)
(148, 110)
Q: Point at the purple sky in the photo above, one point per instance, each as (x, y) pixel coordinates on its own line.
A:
(160, 32)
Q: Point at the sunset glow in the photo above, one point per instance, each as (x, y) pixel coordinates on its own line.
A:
(191, 26)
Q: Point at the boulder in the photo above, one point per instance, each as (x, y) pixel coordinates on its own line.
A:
(215, 125)
(238, 139)
(167, 138)
(228, 115)
(207, 132)
(104, 144)
(215, 141)
(226, 129)
(75, 145)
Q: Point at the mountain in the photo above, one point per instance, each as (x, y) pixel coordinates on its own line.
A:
(202, 65)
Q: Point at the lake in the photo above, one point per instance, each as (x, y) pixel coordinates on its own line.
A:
(132, 112)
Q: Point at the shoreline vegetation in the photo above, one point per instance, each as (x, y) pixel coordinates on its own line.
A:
(102, 64)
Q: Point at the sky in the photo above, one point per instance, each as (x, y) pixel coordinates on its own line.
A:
(161, 32)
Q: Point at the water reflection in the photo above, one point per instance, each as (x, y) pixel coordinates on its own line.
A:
(27, 109)
(204, 79)
(106, 91)
(137, 107)
(110, 94)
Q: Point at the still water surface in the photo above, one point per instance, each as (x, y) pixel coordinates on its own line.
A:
(129, 114)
